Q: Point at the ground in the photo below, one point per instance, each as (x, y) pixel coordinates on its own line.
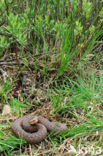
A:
(31, 89)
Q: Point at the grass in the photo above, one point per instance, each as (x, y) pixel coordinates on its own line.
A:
(55, 45)
(79, 101)
(74, 94)
(71, 38)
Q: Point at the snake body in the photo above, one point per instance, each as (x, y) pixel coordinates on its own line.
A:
(35, 133)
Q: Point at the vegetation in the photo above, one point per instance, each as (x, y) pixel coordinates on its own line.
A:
(51, 58)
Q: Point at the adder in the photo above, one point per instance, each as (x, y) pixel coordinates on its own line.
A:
(34, 128)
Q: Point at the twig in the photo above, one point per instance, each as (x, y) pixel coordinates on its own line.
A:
(10, 63)
(9, 60)
(4, 34)
(99, 48)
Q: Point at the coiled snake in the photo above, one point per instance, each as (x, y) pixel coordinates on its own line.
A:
(34, 128)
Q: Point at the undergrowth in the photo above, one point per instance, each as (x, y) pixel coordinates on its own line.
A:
(79, 101)
(61, 43)
(62, 32)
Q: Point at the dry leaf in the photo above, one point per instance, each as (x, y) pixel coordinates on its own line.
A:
(6, 110)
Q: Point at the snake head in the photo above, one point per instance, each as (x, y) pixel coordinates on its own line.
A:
(33, 121)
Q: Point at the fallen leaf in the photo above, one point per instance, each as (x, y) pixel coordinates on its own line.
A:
(6, 110)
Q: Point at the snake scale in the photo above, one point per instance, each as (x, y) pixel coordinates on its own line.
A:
(35, 133)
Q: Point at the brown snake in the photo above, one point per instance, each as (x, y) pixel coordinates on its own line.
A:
(34, 128)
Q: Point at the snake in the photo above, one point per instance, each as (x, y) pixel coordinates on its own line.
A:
(34, 129)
